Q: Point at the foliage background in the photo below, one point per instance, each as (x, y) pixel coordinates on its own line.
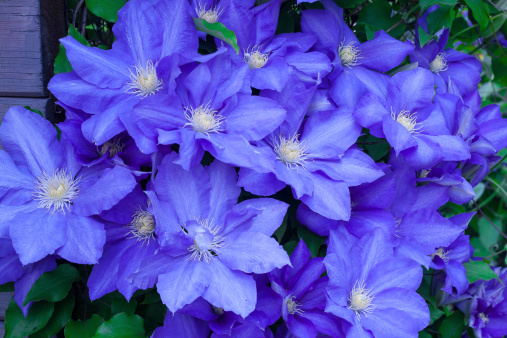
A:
(477, 27)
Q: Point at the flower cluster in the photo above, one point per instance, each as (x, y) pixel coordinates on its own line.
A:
(129, 186)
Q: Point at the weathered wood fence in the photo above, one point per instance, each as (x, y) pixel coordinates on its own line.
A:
(29, 33)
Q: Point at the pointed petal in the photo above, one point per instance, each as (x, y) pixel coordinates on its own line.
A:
(383, 52)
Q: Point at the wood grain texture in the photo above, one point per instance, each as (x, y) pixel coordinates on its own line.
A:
(29, 33)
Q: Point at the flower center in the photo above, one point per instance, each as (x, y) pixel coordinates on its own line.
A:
(293, 307)
(142, 226)
(217, 310)
(407, 120)
(349, 55)
(290, 151)
(114, 146)
(145, 81)
(211, 15)
(207, 242)
(439, 64)
(203, 119)
(255, 58)
(442, 254)
(57, 191)
(360, 300)
(484, 317)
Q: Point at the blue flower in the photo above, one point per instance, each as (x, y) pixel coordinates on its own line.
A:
(370, 289)
(209, 244)
(108, 83)
(47, 197)
(302, 292)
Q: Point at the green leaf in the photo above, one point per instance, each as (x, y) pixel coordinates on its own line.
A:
(477, 270)
(54, 285)
(121, 325)
(151, 297)
(378, 15)
(7, 287)
(453, 326)
(424, 334)
(83, 330)
(423, 36)
(106, 9)
(218, 30)
(480, 12)
(499, 65)
(121, 305)
(16, 325)
(312, 240)
(290, 246)
(37, 111)
(435, 313)
(348, 3)
(60, 317)
(62, 64)
(425, 4)
(442, 17)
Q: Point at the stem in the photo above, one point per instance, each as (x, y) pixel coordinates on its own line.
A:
(487, 218)
(497, 185)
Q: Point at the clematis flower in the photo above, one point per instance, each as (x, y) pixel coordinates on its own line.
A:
(267, 311)
(182, 325)
(208, 244)
(210, 112)
(47, 198)
(356, 65)
(108, 83)
(302, 294)
(446, 65)
(131, 239)
(408, 119)
(314, 156)
(374, 292)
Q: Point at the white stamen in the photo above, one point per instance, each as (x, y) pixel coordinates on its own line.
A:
(439, 64)
(484, 317)
(397, 223)
(407, 120)
(255, 58)
(424, 173)
(114, 146)
(442, 254)
(293, 307)
(207, 243)
(203, 119)
(211, 15)
(360, 300)
(145, 81)
(57, 191)
(143, 226)
(349, 54)
(290, 151)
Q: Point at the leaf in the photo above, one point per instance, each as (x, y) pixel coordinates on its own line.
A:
(435, 313)
(453, 326)
(7, 287)
(60, 317)
(442, 17)
(290, 246)
(106, 9)
(78, 329)
(480, 12)
(16, 325)
(121, 325)
(378, 16)
(312, 240)
(348, 3)
(62, 64)
(499, 65)
(424, 334)
(218, 30)
(425, 4)
(479, 270)
(121, 305)
(54, 285)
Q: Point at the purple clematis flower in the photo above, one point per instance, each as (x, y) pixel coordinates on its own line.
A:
(267, 311)
(182, 325)
(210, 112)
(209, 244)
(108, 83)
(47, 197)
(131, 239)
(356, 65)
(374, 292)
(448, 65)
(408, 119)
(314, 156)
(302, 294)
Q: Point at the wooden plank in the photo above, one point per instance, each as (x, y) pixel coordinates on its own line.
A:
(29, 33)
(42, 104)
